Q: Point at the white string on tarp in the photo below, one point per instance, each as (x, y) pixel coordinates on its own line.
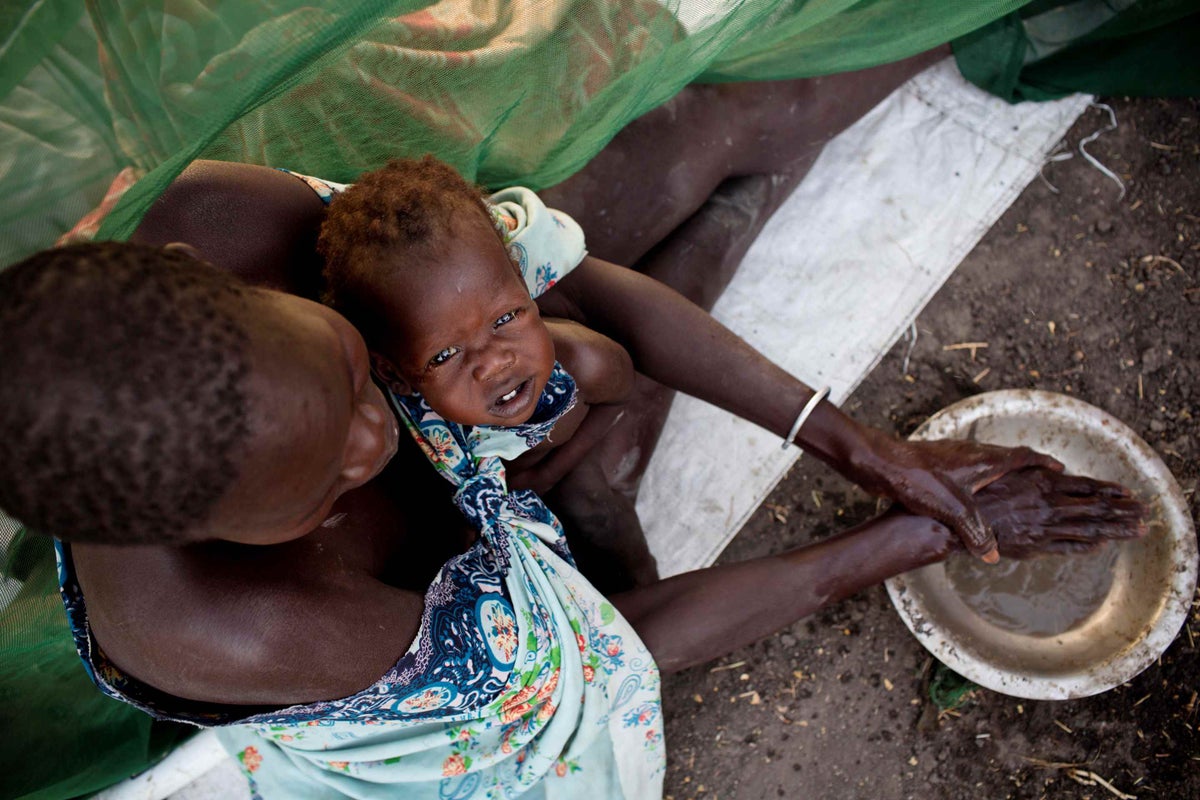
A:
(1061, 152)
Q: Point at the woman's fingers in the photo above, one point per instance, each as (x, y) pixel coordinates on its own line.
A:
(1079, 486)
(1022, 457)
(1085, 511)
(950, 505)
(1038, 511)
(1067, 547)
(1127, 526)
(1091, 524)
(938, 478)
(1013, 460)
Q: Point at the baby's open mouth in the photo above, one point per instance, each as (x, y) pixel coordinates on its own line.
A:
(514, 400)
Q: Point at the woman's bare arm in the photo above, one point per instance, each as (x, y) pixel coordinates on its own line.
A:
(695, 617)
(680, 345)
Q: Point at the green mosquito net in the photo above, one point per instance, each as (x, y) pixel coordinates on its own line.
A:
(104, 102)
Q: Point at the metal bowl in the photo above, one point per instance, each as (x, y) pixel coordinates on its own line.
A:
(1140, 591)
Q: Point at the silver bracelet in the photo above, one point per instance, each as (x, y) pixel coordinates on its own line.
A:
(805, 413)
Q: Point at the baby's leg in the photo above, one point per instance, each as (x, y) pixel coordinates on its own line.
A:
(603, 530)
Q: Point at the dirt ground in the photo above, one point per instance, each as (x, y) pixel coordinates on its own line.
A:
(1077, 292)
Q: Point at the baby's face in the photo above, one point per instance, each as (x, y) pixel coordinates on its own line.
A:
(468, 336)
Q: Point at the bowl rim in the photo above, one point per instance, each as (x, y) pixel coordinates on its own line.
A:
(1179, 529)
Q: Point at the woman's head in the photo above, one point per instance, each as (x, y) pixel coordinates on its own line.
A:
(152, 398)
(415, 260)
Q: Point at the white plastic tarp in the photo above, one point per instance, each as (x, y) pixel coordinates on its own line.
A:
(886, 214)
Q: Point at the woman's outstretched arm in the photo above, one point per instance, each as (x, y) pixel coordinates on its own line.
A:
(698, 616)
(681, 346)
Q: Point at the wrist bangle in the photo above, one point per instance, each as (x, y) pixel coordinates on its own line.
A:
(805, 413)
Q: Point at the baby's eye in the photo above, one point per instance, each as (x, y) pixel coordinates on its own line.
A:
(506, 318)
(443, 357)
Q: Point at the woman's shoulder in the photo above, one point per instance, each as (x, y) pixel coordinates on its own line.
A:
(242, 625)
(260, 223)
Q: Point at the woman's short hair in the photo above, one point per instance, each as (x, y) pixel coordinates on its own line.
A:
(123, 400)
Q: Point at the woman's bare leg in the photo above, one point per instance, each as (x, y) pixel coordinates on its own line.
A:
(663, 167)
(735, 153)
(596, 500)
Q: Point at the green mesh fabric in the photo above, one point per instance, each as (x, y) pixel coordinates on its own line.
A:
(1051, 48)
(507, 91)
(947, 689)
(61, 738)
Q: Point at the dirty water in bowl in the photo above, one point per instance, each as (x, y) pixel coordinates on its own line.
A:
(1039, 597)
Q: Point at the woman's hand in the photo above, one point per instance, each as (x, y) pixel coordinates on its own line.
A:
(1038, 511)
(939, 479)
(693, 617)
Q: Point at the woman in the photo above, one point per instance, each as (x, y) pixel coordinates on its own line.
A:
(315, 561)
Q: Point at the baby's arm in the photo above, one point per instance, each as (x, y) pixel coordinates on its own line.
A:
(603, 373)
(602, 369)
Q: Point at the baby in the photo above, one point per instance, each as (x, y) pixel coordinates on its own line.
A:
(435, 278)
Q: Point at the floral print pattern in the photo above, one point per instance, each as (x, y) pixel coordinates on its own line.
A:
(500, 627)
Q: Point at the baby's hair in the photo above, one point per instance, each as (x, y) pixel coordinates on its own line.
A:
(123, 403)
(397, 214)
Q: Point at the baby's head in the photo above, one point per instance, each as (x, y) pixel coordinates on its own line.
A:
(414, 259)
